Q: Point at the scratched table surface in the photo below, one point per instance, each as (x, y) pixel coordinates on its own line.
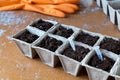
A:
(15, 66)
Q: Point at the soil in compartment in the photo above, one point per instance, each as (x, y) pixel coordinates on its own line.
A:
(42, 25)
(50, 43)
(111, 45)
(78, 55)
(105, 65)
(86, 38)
(27, 37)
(64, 32)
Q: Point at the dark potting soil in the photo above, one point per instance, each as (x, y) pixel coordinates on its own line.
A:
(105, 65)
(27, 37)
(50, 43)
(110, 45)
(78, 55)
(86, 38)
(42, 25)
(64, 32)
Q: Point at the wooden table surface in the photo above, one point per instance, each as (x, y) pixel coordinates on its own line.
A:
(15, 66)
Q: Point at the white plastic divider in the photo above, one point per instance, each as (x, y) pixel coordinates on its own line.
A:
(35, 31)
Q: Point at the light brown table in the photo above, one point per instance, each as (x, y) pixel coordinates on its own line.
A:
(14, 66)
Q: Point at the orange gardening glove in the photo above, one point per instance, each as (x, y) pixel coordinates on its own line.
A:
(44, 10)
(49, 7)
(67, 8)
(65, 1)
(54, 10)
(8, 2)
(38, 1)
(52, 1)
(12, 7)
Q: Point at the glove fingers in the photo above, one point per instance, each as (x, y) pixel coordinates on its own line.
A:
(53, 1)
(12, 7)
(75, 7)
(42, 2)
(26, 1)
(54, 12)
(66, 1)
(45, 6)
(6, 2)
(45, 10)
(64, 8)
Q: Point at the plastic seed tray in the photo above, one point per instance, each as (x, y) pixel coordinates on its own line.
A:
(112, 9)
(54, 47)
